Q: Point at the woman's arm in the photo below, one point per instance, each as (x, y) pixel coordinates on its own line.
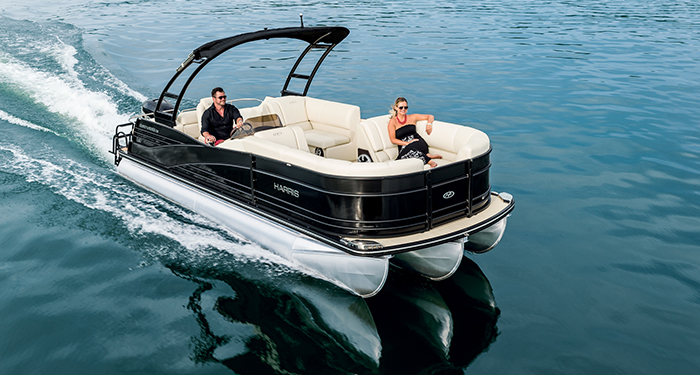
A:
(391, 128)
(430, 118)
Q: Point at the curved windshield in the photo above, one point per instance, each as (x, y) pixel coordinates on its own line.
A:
(255, 124)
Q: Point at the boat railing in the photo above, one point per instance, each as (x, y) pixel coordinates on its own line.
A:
(121, 141)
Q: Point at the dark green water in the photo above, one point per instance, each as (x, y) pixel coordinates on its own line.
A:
(593, 113)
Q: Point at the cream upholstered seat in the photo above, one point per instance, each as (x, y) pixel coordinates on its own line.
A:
(190, 121)
(263, 147)
(290, 136)
(374, 138)
(328, 126)
(203, 105)
(453, 142)
(187, 123)
(324, 139)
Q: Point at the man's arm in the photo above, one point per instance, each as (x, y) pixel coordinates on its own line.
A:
(236, 115)
(205, 128)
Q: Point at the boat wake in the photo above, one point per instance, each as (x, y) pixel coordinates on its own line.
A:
(18, 121)
(153, 224)
(48, 73)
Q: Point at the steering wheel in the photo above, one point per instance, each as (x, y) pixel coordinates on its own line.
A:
(245, 130)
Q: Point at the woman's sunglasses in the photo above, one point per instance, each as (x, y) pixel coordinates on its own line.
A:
(402, 107)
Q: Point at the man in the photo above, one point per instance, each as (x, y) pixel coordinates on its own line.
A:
(218, 120)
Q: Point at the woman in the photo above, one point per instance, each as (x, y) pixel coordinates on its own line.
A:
(402, 132)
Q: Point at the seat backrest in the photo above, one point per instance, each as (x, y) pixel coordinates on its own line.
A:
(455, 142)
(186, 122)
(374, 137)
(290, 136)
(203, 105)
(290, 109)
(311, 113)
(333, 117)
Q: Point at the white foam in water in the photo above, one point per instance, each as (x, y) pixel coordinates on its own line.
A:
(144, 214)
(66, 57)
(18, 121)
(95, 113)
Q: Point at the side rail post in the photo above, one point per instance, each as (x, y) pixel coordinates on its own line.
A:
(470, 180)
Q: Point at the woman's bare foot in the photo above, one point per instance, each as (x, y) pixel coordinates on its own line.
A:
(432, 164)
(434, 156)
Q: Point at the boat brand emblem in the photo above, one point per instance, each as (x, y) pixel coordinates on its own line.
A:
(448, 195)
(286, 190)
(149, 128)
(364, 158)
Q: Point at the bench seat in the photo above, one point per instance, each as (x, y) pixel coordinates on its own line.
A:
(329, 127)
(453, 142)
(268, 147)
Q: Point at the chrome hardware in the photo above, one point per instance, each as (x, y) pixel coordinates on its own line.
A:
(362, 244)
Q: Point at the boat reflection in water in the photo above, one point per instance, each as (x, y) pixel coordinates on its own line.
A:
(300, 324)
(307, 326)
(435, 327)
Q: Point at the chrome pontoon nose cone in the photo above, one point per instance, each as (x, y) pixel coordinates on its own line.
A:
(507, 197)
(487, 239)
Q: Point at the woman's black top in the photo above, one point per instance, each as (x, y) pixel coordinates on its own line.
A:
(418, 149)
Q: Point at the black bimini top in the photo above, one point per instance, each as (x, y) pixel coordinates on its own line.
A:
(311, 35)
(321, 37)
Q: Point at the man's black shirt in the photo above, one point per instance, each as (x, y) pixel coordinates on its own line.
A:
(216, 125)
